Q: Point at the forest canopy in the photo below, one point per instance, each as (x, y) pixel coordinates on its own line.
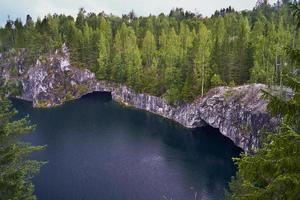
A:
(180, 55)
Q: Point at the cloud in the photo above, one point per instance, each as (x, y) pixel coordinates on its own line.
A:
(20, 8)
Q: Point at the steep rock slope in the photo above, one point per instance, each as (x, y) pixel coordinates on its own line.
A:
(239, 113)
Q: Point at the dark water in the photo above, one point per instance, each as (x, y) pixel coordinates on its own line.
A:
(100, 150)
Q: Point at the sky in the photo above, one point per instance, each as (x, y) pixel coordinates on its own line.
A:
(20, 8)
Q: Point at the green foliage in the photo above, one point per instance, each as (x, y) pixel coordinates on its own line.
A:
(14, 88)
(273, 172)
(238, 47)
(216, 80)
(231, 84)
(16, 170)
(202, 47)
(172, 95)
(288, 107)
(149, 49)
(172, 77)
(81, 89)
(150, 79)
(118, 71)
(103, 58)
(188, 90)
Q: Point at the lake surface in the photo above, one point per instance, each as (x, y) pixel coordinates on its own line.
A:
(100, 150)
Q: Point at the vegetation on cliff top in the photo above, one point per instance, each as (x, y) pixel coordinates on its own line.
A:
(180, 55)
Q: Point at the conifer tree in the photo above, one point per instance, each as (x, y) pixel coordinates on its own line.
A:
(103, 58)
(118, 69)
(105, 28)
(188, 90)
(16, 171)
(218, 34)
(80, 20)
(170, 54)
(244, 60)
(186, 43)
(259, 72)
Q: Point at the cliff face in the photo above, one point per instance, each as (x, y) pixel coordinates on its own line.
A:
(239, 113)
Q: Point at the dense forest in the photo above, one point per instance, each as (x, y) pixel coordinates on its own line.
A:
(179, 56)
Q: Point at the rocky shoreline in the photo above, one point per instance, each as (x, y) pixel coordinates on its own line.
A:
(240, 113)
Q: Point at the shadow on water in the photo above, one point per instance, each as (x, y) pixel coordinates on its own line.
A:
(99, 149)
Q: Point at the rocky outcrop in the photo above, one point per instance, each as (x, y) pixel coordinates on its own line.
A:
(239, 113)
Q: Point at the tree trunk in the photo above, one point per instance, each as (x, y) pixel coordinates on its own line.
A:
(202, 77)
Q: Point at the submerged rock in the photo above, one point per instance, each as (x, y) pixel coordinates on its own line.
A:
(240, 113)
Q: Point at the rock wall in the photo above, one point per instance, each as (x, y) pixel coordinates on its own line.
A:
(239, 113)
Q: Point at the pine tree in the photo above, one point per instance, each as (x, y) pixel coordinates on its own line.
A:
(87, 46)
(105, 28)
(186, 43)
(118, 73)
(272, 173)
(188, 93)
(126, 48)
(230, 45)
(118, 69)
(132, 59)
(170, 49)
(135, 70)
(80, 20)
(282, 40)
(243, 63)
(151, 81)
(170, 56)
(217, 58)
(16, 170)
